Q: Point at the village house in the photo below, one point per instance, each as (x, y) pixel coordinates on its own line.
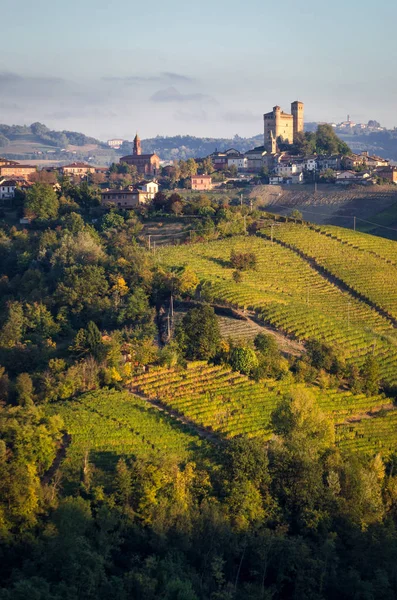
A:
(296, 178)
(389, 173)
(219, 160)
(351, 177)
(286, 169)
(150, 188)
(76, 168)
(258, 159)
(12, 169)
(127, 198)
(8, 187)
(373, 161)
(329, 162)
(201, 182)
(115, 143)
(237, 160)
(365, 159)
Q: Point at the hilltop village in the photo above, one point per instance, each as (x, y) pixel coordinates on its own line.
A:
(288, 156)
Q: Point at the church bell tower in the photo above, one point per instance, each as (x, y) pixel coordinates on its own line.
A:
(137, 146)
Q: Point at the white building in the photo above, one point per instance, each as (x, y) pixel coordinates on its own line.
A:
(239, 161)
(115, 144)
(310, 164)
(150, 188)
(7, 188)
(287, 169)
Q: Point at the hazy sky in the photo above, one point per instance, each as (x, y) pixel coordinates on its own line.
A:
(207, 67)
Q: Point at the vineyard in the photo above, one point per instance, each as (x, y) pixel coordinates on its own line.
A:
(109, 424)
(230, 404)
(288, 293)
(380, 247)
(367, 273)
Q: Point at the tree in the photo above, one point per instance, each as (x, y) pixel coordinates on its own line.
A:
(243, 359)
(41, 202)
(14, 328)
(112, 220)
(199, 334)
(370, 375)
(243, 261)
(24, 389)
(296, 214)
(88, 341)
(207, 166)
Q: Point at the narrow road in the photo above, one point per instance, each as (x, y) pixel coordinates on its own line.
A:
(60, 455)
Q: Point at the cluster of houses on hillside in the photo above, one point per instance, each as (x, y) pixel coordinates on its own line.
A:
(284, 168)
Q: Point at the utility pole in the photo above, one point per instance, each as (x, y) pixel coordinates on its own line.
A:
(241, 200)
(315, 181)
(271, 232)
(168, 327)
(154, 247)
(149, 236)
(348, 314)
(245, 224)
(172, 305)
(354, 223)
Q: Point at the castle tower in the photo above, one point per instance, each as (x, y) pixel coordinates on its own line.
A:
(297, 111)
(137, 146)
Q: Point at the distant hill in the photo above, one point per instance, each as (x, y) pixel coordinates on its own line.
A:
(37, 133)
(37, 141)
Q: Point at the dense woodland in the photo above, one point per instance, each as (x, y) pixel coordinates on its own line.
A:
(290, 516)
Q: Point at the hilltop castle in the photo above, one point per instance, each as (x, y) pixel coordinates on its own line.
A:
(280, 124)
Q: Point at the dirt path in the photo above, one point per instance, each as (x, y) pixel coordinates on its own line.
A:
(286, 345)
(372, 414)
(176, 416)
(60, 455)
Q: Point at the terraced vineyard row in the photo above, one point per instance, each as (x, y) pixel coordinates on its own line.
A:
(230, 404)
(381, 247)
(292, 296)
(110, 424)
(365, 272)
(377, 434)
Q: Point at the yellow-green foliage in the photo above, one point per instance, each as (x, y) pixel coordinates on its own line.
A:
(108, 424)
(230, 404)
(292, 296)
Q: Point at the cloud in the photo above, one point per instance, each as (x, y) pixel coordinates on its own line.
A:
(7, 78)
(171, 94)
(164, 77)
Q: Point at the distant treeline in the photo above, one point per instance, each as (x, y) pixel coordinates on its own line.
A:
(187, 146)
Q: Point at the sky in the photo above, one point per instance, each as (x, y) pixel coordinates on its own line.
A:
(206, 68)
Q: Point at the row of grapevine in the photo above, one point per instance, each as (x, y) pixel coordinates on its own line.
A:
(364, 271)
(230, 404)
(108, 424)
(380, 247)
(376, 434)
(292, 296)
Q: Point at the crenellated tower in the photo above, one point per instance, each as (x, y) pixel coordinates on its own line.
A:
(297, 112)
